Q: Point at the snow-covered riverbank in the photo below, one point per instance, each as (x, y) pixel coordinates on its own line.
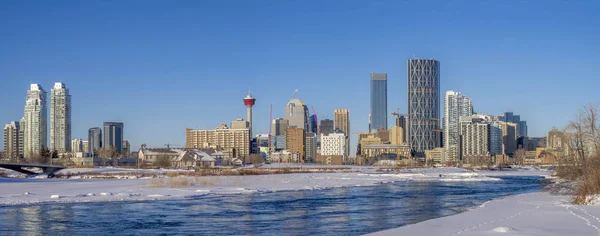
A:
(526, 214)
(31, 191)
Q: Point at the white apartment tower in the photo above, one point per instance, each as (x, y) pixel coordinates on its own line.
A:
(35, 122)
(455, 106)
(60, 118)
(333, 144)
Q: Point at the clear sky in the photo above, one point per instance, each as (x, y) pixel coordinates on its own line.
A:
(162, 66)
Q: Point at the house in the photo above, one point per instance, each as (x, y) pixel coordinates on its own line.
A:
(180, 158)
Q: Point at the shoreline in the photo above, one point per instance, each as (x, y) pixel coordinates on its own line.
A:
(539, 213)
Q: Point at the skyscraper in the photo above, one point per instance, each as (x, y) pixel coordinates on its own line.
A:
(60, 118)
(113, 135)
(310, 147)
(521, 125)
(378, 114)
(77, 145)
(279, 127)
(94, 140)
(326, 126)
(11, 140)
(35, 135)
(313, 124)
(423, 104)
(456, 105)
(342, 123)
(296, 112)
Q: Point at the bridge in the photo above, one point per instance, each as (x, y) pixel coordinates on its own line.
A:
(26, 168)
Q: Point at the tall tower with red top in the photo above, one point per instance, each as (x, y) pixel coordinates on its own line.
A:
(249, 103)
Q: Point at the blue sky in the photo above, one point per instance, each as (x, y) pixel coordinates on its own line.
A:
(162, 66)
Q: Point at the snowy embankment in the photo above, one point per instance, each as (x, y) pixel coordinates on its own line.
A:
(29, 191)
(526, 214)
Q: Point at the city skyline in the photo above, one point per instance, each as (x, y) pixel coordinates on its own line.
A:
(340, 85)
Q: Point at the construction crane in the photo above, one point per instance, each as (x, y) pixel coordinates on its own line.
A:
(398, 115)
(294, 93)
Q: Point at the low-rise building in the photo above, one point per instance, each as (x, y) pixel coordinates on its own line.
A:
(387, 151)
(330, 159)
(434, 156)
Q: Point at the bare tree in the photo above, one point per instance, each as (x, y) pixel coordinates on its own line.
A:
(163, 161)
(519, 156)
(109, 153)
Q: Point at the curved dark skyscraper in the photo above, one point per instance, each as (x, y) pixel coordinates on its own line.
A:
(423, 104)
(378, 114)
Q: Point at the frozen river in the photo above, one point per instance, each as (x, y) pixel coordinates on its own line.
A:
(336, 211)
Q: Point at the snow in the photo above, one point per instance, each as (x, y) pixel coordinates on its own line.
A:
(526, 214)
(131, 188)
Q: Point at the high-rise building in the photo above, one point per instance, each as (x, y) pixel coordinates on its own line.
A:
(333, 144)
(378, 114)
(396, 135)
(342, 123)
(126, 147)
(475, 137)
(456, 105)
(296, 138)
(11, 140)
(296, 112)
(234, 141)
(35, 125)
(94, 140)
(113, 135)
(310, 147)
(279, 127)
(313, 124)
(509, 138)
(326, 126)
(77, 145)
(22, 137)
(85, 146)
(60, 118)
(521, 125)
(423, 104)
(240, 123)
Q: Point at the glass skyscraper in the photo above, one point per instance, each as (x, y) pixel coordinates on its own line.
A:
(378, 114)
(423, 104)
(113, 135)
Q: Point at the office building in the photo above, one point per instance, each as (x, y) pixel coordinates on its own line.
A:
(60, 118)
(34, 127)
(396, 135)
(234, 142)
(342, 123)
(435, 156)
(313, 124)
(509, 138)
(240, 123)
(85, 146)
(12, 143)
(295, 142)
(278, 142)
(310, 147)
(456, 105)
(77, 145)
(94, 140)
(334, 144)
(113, 136)
(279, 127)
(521, 125)
(326, 126)
(296, 113)
(380, 152)
(423, 104)
(378, 114)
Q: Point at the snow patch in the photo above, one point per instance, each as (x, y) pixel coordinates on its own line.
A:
(106, 194)
(502, 230)
(54, 196)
